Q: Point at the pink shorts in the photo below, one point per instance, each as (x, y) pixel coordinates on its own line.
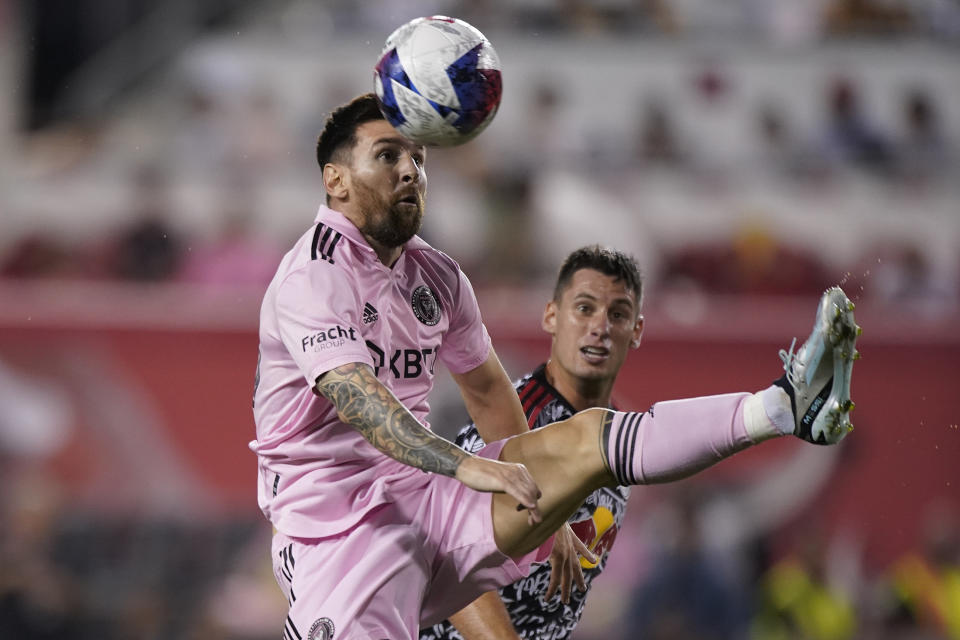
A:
(410, 563)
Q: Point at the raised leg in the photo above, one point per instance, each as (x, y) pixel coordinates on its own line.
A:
(598, 447)
(675, 439)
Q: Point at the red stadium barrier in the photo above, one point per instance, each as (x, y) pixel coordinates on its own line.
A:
(158, 385)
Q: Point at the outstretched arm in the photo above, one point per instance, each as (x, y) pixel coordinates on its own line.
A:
(491, 400)
(364, 403)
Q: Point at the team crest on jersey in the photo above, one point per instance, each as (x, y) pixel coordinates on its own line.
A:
(425, 305)
(322, 629)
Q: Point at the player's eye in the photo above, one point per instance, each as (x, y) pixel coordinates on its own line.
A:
(387, 155)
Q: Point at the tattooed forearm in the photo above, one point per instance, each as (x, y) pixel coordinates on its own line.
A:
(365, 404)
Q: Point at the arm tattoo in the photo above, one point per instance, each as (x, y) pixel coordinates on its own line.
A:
(369, 407)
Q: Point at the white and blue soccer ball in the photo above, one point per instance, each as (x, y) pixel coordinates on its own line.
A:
(438, 81)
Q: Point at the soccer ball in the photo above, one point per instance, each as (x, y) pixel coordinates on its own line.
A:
(438, 81)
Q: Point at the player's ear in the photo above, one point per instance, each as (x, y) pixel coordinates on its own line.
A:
(334, 180)
(549, 321)
(637, 332)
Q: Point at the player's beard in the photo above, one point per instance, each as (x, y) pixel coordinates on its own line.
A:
(390, 224)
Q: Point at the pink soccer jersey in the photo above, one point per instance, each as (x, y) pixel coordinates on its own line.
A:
(333, 302)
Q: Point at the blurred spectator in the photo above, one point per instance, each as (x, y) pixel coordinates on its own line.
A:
(939, 18)
(245, 604)
(658, 139)
(148, 250)
(922, 150)
(900, 271)
(263, 140)
(537, 15)
(238, 255)
(716, 123)
(753, 261)
(903, 275)
(849, 138)
(203, 139)
(575, 207)
(870, 17)
(461, 207)
(686, 596)
(37, 599)
(78, 573)
(800, 600)
(551, 136)
(38, 255)
(924, 585)
(785, 22)
(617, 16)
(778, 153)
(512, 258)
(658, 16)
(737, 521)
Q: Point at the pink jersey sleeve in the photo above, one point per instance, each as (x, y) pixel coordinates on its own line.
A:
(318, 314)
(466, 344)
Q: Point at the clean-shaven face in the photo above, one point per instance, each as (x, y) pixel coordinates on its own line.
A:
(593, 326)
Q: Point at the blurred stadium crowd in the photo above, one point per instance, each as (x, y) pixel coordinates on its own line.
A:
(737, 148)
(719, 149)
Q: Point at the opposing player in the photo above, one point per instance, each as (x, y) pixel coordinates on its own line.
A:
(368, 546)
(593, 320)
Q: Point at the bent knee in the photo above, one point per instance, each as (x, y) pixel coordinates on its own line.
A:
(589, 421)
(582, 431)
(591, 415)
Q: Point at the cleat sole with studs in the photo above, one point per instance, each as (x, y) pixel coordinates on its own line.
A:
(818, 374)
(844, 334)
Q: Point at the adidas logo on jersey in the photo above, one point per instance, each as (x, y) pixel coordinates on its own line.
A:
(370, 314)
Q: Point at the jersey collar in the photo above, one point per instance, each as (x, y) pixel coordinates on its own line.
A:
(339, 222)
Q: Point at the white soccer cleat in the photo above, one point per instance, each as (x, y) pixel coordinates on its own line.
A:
(817, 377)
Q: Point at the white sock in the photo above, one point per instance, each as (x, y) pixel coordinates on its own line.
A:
(768, 414)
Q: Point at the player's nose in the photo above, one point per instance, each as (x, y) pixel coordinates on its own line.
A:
(599, 325)
(409, 169)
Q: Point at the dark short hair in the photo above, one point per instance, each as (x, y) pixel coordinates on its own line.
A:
(340, 129)
(607, 261)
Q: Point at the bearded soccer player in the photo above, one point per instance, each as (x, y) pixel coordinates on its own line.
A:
(384, 527)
